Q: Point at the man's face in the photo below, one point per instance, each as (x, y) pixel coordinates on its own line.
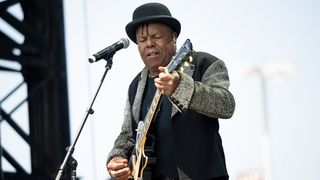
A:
(156, 44)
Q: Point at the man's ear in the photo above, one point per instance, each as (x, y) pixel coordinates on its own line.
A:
(174, 37)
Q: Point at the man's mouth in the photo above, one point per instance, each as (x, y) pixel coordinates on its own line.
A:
(152, 54)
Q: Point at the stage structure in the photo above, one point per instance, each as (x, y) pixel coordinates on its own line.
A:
(32, 48)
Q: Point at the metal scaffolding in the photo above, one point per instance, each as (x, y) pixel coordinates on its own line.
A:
(40, 53)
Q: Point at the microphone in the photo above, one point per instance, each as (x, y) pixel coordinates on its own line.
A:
(110, 51)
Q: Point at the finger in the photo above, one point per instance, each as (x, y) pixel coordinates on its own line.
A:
(162, 69)
(121, 174)
(111, 173)
(164, 78)
(158, 83)
(120, 160)
(115, 167)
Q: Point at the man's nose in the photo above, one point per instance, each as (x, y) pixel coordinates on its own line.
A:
(150, 41)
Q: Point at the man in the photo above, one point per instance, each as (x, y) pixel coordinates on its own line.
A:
(185, 132)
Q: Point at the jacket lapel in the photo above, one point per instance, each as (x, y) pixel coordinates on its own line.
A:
(138, 99)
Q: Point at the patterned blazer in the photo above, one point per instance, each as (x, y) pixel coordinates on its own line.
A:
(201, 98)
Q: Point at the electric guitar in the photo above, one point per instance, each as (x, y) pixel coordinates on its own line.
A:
(139, 160)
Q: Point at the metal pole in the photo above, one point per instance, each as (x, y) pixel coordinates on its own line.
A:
(266, 141)
(1, 170)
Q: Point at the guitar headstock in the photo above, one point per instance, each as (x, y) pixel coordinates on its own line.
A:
(182, 55)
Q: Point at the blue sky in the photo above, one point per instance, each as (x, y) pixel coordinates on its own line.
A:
(245, 34)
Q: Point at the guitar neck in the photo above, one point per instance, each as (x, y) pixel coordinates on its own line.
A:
(153, 109)
(143, 130)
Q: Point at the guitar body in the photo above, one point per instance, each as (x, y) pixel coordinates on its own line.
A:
(141, 164)
(139, 160)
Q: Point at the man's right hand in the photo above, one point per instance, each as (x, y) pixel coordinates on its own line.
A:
(118, 168)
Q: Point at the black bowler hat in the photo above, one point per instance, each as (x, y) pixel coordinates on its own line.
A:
(151, 12)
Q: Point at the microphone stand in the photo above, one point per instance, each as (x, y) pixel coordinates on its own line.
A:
(69, 160)
(1, 153)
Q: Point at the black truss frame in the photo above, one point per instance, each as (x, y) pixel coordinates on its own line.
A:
(43, 67)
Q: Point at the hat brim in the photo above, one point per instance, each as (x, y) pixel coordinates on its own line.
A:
(168, 20)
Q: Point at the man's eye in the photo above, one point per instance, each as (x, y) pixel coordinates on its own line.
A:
(141, 39)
